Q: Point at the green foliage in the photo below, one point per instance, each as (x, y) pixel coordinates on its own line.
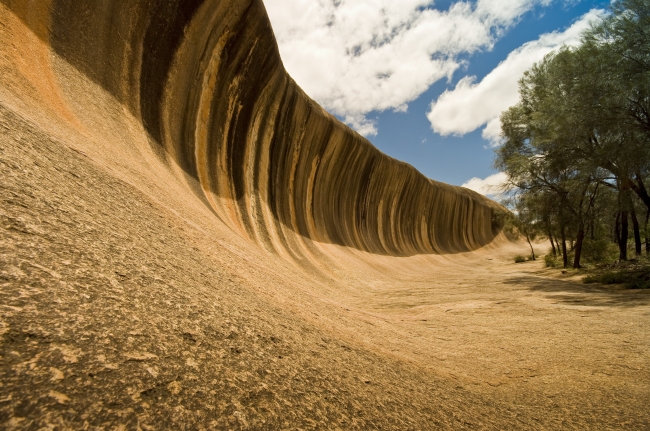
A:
(551, 261)
(519, 259)
(509, 223)
(576, 147)
(599, 250)
(635, 279)
(499, 220)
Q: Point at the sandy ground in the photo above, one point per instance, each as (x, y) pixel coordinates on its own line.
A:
(125, 304)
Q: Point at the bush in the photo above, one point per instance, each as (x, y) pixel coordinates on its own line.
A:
(519, 258)
(551, 261)
(600, 250)
(639, 279)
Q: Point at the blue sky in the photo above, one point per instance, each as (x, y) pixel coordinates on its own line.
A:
(382, 65)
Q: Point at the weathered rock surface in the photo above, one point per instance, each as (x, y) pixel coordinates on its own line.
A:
(187, 241)
(206, 80)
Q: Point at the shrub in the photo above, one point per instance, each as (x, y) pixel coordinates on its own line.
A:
(551, 261)
(600, 250)
(519, 258)
(639, 279)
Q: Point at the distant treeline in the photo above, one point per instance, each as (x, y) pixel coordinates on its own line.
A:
(576, 147)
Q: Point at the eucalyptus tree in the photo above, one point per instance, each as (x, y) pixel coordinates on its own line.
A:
(582, 127)
(544, 146)
(620, 48)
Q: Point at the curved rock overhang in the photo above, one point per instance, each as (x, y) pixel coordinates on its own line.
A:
(205, 79)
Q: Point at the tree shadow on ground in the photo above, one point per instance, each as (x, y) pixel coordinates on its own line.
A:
(576, 293)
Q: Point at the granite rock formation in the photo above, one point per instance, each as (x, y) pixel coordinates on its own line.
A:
(206, 81)
(187, 241)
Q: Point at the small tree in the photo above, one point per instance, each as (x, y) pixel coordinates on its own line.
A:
(542, 152)
(528, 223)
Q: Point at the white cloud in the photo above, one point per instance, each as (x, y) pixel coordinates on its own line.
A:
(359, 56)
(490, 186)
(471, 105)
(361, 124)
(492, 131)
(504, 12)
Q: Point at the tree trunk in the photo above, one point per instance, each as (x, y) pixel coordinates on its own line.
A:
(565, 258)
(635, 228)
(625, 203)
(647, 235)
(550, 238)
(640, 190)
(617, 228)
(622, 244)
(532, 252)
(578, 247)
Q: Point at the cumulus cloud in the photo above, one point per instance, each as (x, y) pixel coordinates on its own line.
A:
(492, 186)
(359, 56)
(492, 131)
(472, 104)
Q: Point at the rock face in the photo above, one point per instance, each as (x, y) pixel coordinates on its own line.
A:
(187, 241)
(206, 81)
